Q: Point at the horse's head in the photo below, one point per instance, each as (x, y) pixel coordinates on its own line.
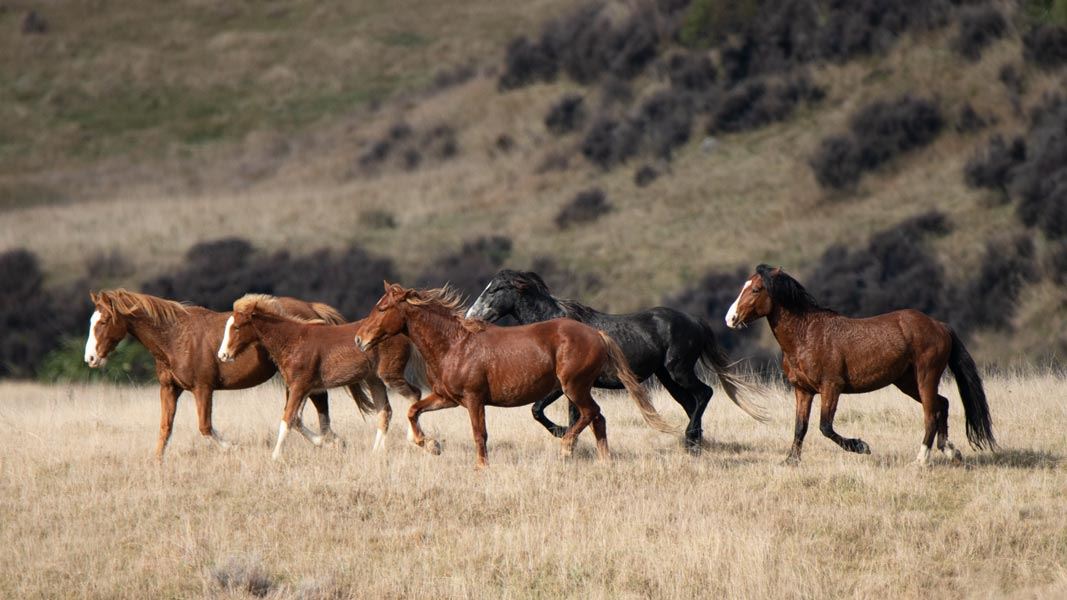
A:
(507, 290)
(754, 301)
(385, 319)
(107, 327)
(239, 333)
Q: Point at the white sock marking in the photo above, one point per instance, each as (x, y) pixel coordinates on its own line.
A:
(924, 455)
(283, 430)
(411, 432)
(379, 441)
(731, 315)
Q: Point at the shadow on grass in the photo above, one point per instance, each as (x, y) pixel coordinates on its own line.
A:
(1014, 458)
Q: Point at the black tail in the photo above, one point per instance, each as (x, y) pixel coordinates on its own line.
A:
(979, 425)
(714, 359)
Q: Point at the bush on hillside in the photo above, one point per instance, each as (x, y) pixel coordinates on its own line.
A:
(761, 101)
(664, 121)
(969, 121)
(988, 299)
(404, 147)
(469, 269)
(992, 167)
(587, 206)
(979, 26)
(527, 62)
(645, 175)
(1046, 46)
(878, 132)
(566, 115)
(610, 142)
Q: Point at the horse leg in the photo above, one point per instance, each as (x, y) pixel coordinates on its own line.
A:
(298, 422)
(539, 414)
(683, 394)
(931, 419)
(476, 409)
(588, 412)
(385, 411)
(322, 406)
(203, 397)
(293, 402)
(830, 396)
(909, 385)
(168, 399)
(430, 403)
(800, 429)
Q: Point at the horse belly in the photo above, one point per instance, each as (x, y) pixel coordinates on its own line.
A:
(519, 388)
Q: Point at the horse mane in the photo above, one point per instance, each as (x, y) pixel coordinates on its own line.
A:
(449, 300)
(524, 281)
(128, 303)
(787, 292)
(269, 305)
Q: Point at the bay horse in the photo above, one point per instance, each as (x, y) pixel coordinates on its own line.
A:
(659, 341)
(312, 356)
(829, 354)
(475, 364)
(183, 340)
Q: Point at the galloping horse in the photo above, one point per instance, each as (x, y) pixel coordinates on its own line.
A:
(183, 339)
(312, 356)
(660, 341)
(476, 364)
(829, 354)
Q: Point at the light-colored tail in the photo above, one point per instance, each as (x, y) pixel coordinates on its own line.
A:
(617, 367)
(327, 313)
(714, 360)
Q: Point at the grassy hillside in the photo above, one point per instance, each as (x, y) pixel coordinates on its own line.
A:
(146, 129)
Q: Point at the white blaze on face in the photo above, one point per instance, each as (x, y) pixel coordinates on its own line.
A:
(226, 339)
(731, 315)
(472, 310)
(90, 344)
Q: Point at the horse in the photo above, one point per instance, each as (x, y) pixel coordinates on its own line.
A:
(312, 356)
(829, 354)
(660, 341)
(183, 340)
(475, 364)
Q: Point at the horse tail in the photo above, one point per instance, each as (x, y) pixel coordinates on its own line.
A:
(327, 313)
(979, 424)
(618, 367)
(713, 358)
(415, 369)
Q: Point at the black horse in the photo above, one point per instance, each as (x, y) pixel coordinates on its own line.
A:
(660, 341)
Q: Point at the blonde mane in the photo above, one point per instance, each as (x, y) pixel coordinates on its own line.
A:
(160, 310)
(449, 299)
(269, 305)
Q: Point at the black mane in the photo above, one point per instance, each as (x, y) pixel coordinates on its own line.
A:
(528, 281)
(786, 291)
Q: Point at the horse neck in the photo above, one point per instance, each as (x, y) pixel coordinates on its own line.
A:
(538, 308)
(789, 327)
(154, 335)
(433, 333)
(274, 334)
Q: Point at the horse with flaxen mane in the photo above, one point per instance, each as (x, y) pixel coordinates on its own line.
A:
(829, 354)
(182, 339)
(660, 341)
(313, 356)
(475, 364)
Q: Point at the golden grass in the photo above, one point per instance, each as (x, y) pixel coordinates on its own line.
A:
(86, 512)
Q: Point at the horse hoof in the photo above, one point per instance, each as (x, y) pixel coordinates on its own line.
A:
(558, 431)
(694, 448)
(433, 447)
(861, 447)
(791, 461)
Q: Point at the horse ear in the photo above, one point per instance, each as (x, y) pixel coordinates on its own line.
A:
(93, 297)
(386, 284)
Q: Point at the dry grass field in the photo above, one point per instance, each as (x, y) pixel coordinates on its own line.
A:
(85, 512)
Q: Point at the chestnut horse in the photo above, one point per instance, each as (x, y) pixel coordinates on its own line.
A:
(476, 364)
(183, 340)
(829, 354)
(312, 356)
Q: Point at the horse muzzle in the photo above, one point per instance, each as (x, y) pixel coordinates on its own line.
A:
(225, 356)
(95, 362)
(365, 344)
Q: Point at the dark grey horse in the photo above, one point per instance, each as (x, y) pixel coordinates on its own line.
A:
(660, 341)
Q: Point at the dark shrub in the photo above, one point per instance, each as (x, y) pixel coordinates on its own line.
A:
(615, 92)
(992, 167)
(879, 132)
(469, 269)
(979, 26)
(645, 175)
(895, 270)
(1046, 46)
(1040, 182)
(1056, 262)
(969, 120)
(988, 299)
(566, 115)
(610, 142)
(761, 101)
(836, 162)
(865, 27)
(1012, 78)
(504, 143)
(33, 23)
(586, 207)
(691, 72)
(404, 147)
(25, 309)
(526, 62)
(664, 121)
